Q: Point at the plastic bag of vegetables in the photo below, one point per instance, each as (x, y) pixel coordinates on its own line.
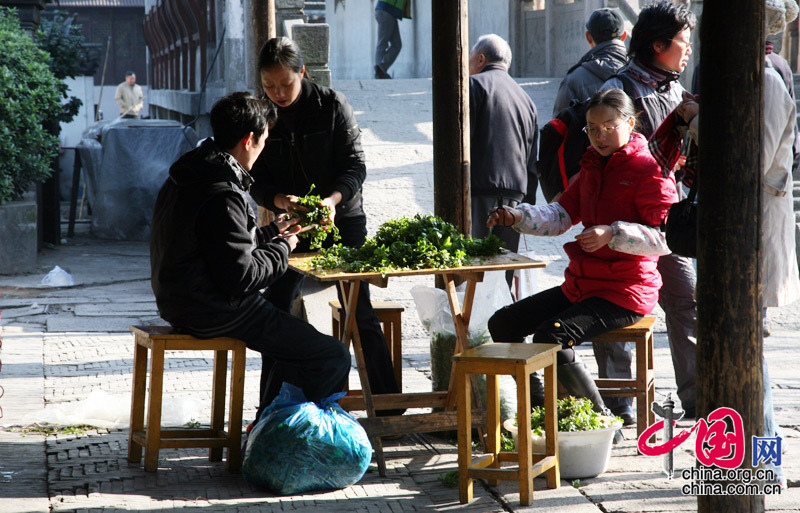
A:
(298, 446)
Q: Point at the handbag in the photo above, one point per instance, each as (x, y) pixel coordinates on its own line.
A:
(681, 226)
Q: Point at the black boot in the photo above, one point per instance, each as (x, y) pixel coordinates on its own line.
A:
(537, 390)
(577, 381)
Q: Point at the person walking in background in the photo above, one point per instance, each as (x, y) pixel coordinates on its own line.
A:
(503, 138)
(605, 33)
(129, 97)
(659, 51)
(388, 13)
(621, 197)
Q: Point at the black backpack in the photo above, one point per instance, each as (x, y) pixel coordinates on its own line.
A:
(562, 144)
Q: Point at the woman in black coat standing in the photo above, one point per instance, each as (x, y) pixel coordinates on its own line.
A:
(316, 141)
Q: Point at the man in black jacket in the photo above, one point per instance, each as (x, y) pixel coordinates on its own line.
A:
(209, 260)
(504, 138)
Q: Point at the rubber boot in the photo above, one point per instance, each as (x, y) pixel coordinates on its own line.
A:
(577, 381)
(537, 390)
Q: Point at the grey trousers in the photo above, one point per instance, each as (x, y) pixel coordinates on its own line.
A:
(481, 207)
(389, 42)
(676, 297)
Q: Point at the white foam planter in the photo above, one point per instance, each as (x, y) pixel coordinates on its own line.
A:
(581, 454)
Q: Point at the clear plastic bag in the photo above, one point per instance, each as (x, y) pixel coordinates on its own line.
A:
(298, 446)
(58, 277)
(433, 309)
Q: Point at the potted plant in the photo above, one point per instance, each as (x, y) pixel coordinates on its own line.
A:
(584, 437)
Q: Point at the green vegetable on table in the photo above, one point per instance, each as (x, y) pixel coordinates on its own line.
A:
(316, 216)
(407, 243)
(574, 414)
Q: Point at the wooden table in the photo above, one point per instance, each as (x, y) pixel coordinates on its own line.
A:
(363, 399)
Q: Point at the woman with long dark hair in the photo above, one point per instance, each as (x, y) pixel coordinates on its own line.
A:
(316, 141)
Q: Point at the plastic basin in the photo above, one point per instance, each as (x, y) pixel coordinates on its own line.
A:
(581, 454)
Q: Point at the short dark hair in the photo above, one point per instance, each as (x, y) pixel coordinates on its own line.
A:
(615, 99)
(658, 22)
(280, 51)
(236, 115)
(128, 73)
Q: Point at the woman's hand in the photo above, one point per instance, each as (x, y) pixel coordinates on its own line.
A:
(504, 216)
(688, 108)
(594, 238)
(331, 201)
(288, 202)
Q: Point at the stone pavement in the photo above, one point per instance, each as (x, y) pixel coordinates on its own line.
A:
(60, 344)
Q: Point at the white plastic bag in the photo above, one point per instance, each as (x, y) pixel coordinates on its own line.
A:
(112, 411)
(525, 279)
(433, 309)
(58, 277)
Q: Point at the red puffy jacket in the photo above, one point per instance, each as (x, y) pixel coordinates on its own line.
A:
(629, 188)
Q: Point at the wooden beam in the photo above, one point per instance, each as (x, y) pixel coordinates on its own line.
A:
(729, 339)
(451, 192)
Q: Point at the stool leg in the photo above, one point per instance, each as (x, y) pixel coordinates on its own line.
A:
(397, 350)
(218, 401)
(235, 405)
(551, 423)
(524, 449)
(493, 422)
(137, 399)
(464, 413)
(153, 433)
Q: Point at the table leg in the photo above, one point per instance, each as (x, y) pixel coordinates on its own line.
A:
(350, 295)
(461, 322)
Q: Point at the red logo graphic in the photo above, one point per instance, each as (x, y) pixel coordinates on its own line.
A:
(715, 445)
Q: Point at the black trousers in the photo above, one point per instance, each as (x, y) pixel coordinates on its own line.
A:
(298, 353)
(554, 319)
(283, 292)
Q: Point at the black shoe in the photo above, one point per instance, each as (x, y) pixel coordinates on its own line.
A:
(379, 73)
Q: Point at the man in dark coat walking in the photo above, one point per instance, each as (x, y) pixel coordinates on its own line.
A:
(504, 137)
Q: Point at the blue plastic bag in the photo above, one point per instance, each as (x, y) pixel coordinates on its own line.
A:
(297, 446)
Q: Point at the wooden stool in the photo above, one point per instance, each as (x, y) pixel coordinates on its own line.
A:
(389, 316)
(642, 386)
(520, 361)
(159, 339)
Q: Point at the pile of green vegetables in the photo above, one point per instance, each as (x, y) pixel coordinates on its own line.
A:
(574, 414)
(316, 216)
(408, 243)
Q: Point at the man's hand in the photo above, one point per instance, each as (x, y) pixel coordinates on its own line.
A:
(291, 240)
(287, 225)
(594, 238)
(504, 216)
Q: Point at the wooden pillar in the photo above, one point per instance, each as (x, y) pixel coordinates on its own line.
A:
(263, 15)
(729, 339)
(451, 194)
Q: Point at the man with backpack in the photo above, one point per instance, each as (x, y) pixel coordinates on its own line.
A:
(605, 33)
(659, 50)
(503, 138)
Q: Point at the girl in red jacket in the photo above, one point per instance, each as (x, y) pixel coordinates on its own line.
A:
(621, 197)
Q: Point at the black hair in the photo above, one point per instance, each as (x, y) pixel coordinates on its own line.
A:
(128, 73)
(660, 21)
(280, 51)
(615, 99)
(236, 115)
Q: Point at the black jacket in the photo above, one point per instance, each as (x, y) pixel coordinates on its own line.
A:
(504, 135)
(322, 148)
(208, 260)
